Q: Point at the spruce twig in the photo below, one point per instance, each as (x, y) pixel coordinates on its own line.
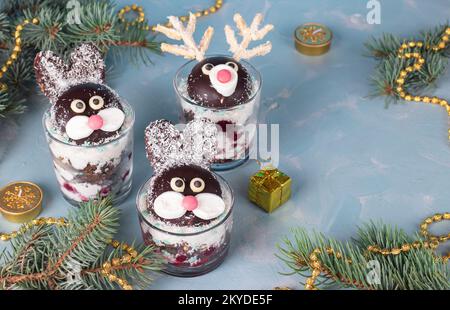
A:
(385, 50)
(417, 269)
(99, 25)
(71, 256)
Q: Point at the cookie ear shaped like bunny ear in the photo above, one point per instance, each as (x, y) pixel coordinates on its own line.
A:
(50, 73)
(162, 144)
(54, 76)
(87, 64)
(166, 146)
(200, 141)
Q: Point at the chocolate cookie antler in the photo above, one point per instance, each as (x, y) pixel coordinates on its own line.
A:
(252, 33)
(189, 50)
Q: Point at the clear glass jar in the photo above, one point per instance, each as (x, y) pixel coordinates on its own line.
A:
(87, 172)
(191, 251)
(237, 125)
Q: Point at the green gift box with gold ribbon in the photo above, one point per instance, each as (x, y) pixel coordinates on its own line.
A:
(269, 189)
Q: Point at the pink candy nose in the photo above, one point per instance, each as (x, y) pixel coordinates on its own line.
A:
(190, 203)
(224, 76)
(95, 122)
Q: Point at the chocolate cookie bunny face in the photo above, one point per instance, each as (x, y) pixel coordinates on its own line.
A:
(183, 191)
(89, 113)
(85, 109)
(187, 196)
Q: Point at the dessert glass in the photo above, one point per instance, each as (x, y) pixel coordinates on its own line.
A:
(189, 251)
(87, 172)
(237, 125)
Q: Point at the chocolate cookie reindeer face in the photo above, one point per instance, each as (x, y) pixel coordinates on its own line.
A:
(84, 108)
(219, 82)
(183, 191)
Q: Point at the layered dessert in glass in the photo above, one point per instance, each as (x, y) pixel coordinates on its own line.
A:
(89, 171)
(223, 89)
(89, 128)
(236, 114)
(184, 208)
(191, 246)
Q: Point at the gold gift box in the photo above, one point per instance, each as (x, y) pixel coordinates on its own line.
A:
(269, 189)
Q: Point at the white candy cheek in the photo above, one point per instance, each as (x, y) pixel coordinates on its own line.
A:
(77, 127)
(225, 89)
(168, 205)
(209, 207)
(113, 119)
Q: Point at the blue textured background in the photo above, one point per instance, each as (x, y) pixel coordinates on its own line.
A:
(351, 159)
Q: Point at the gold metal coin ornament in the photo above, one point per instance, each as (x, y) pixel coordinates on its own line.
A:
(313, 39)
(21, 202)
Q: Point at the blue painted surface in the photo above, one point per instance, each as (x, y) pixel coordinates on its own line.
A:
(351, 159)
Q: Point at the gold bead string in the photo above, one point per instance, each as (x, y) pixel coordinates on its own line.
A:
(135, 8)
(318, 269)
(431, 242)
(107, 267)
(140, 18)
(27, 226)
(418, 64)
(17, 49)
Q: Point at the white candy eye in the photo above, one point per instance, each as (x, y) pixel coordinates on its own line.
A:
(197, 185)
(206, 69)
(177, 185)
(96, 102)
(78, 106)
(232, 65)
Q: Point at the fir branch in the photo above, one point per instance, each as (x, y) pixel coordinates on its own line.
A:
(99, 25)
(385, 50)
(71, 256)
(5, 30)
(139, 269)
(382, 48)
(416, 269)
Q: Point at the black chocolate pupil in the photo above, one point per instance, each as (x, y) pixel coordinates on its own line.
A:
(198, 184)
(178, 183)
(80, 105)
(96, 101)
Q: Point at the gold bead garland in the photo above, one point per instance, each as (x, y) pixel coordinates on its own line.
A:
(418, 64)
(431, 242)
(107, 267)
(135, 8)
(140, 19)
(27, 226)
(17, 49)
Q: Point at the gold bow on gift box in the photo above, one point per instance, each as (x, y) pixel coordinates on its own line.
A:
(269, 188)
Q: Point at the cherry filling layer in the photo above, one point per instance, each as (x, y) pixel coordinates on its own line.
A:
(184, 255)
(233, 144)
